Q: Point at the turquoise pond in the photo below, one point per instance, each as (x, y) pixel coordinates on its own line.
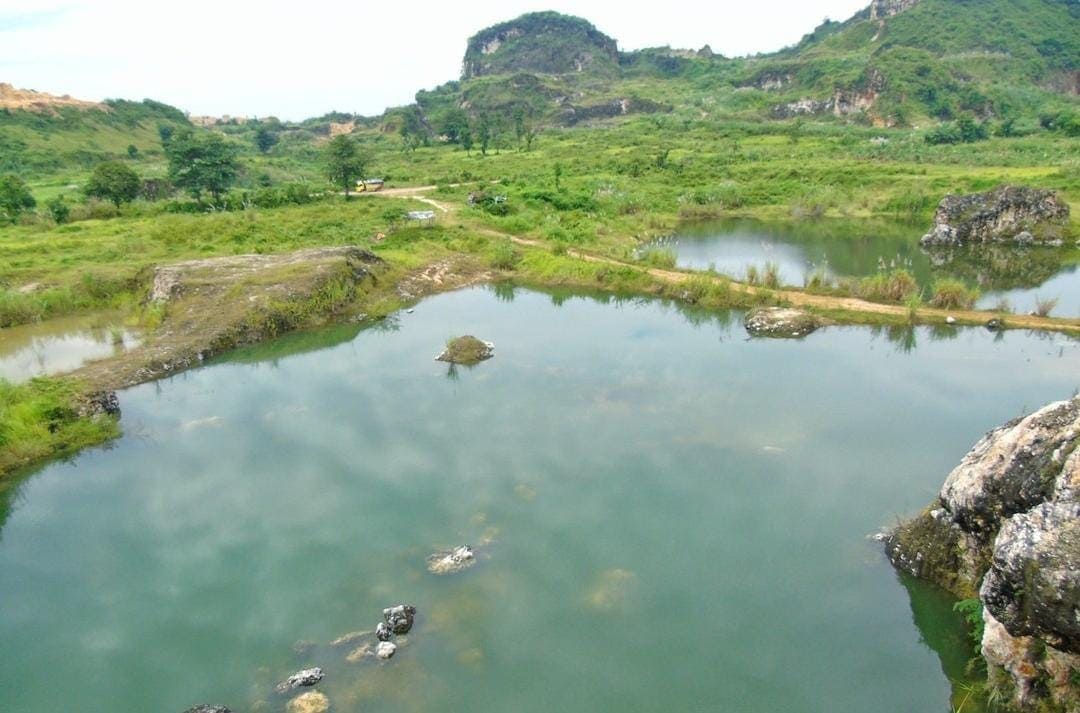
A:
(667, 516)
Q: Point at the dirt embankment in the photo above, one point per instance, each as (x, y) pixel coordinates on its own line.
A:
(30, 100)
(209, 306)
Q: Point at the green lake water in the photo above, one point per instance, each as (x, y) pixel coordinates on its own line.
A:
(668, 516)
(848, 248)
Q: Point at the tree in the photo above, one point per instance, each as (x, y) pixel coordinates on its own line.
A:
(165, 131)
(454, 125)
(201, 163)
(344, 162)
(114, 182)
(484, 134)
(132, 151)
(265, 139)
(15, 197)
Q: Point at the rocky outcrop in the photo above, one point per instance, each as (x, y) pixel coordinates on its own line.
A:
(843, 103)
(780, 322)
(541, 42)
(307, 677)
(385, 650)
(400, 618)
(1006, 528)
(1009, 214)
(880, 9)
(207, 708)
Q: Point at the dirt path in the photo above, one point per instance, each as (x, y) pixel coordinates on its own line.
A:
(798, 298)
(829, 303)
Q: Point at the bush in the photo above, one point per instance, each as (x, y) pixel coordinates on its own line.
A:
(953, 294)
(504, 257)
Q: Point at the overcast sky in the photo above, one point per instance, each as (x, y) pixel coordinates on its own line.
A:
(296, 59)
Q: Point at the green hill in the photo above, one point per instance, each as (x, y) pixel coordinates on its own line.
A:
(48, 139)
(896, 63)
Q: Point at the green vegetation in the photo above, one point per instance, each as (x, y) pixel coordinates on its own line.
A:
(953, 294)
(344, 162)
(40, 419)
(114, 182)
(15, 197)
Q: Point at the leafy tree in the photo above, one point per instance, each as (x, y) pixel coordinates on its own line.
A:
(454, 125)
(59, 210)
(114, 182)
(344, 162)
(484, 134)
(413, 133)
(202, 163)
(165, 132)
(15, 197)
(265, 139)
(132, 151)
(466, 139)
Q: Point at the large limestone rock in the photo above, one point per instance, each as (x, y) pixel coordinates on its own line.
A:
(1033, 586)
(1007, 214)
(1006, 528)
(780, 322)
(1012, 469)
(310, 702)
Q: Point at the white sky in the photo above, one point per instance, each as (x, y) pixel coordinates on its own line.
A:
(297, 59)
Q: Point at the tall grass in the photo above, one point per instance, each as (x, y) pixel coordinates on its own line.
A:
(893, 286)
(1043, 307)
(953, 294)
(39, 419)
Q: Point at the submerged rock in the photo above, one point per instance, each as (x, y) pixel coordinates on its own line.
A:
(359, 653)
(780, 322)
(451, 561)
(466, 350)
(400, 618)
(307, 677)
(1007, 214)
(349, 638)
(310, 702)
(385, 649)
(207, 708)
(383, 632)
(1006, 528)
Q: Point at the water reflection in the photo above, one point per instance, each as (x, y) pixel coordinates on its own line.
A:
(61, 344)
(836, 249)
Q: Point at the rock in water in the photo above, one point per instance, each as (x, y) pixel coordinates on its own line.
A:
(466, 350)
(307, 677)
(1033, 586)
(383, 632)
(1009, 214)
(780, 322)
(1006, 527)
(451, 561)
(385, 649)
(310, 702)
(207, 708)
(400, 618)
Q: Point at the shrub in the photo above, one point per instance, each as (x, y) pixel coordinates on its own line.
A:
(504, 257)
(953, 294)
(659, 257)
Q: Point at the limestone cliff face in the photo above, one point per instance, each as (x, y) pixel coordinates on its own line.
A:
(540, 42)
(1007, 526)
(880, 9)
